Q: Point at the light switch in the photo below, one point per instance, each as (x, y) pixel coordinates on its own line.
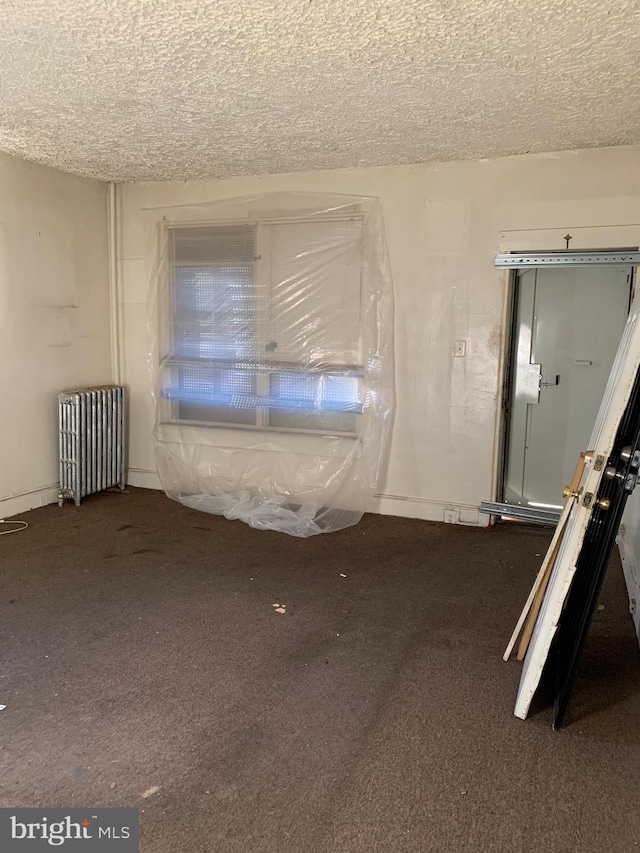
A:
(460, 349)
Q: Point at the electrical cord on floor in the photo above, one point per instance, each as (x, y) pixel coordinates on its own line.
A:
(15, 529)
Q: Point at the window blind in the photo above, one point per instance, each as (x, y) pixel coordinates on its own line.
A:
(315, 295)
(248, 302)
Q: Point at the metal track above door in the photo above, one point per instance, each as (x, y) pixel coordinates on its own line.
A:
(566, 259)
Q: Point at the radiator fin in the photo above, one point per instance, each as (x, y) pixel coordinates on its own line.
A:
(92, 436)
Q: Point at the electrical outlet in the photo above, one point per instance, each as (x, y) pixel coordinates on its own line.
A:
(451, 515)
(459, 349)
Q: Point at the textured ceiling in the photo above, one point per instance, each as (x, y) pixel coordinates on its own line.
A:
(156, 89)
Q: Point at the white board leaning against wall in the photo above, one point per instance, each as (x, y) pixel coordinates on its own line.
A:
(614, 402)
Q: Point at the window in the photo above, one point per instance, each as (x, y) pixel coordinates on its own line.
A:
(265, 324)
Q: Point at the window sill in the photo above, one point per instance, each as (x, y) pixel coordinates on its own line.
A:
(304, 443)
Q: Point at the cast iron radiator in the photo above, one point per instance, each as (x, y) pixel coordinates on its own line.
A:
(92, 441)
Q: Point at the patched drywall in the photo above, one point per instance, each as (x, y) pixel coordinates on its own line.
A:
(148, 89)
(54, 317)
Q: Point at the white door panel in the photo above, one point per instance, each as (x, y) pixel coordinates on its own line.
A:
(610, 412)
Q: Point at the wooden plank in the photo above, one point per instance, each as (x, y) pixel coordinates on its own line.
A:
(542, 588)
(578, 472)
(539, 579)
(547, 563)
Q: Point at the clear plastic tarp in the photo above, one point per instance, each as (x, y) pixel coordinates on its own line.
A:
(272, 357)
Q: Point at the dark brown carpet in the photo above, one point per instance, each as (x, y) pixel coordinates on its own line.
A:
(141, 649)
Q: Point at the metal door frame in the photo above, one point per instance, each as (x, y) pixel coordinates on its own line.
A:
(512, 262)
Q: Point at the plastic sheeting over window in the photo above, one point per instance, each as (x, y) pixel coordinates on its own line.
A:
(272, 358)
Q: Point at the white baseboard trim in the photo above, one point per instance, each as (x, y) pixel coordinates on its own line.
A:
(143, 478)
(430, 510)
(631, 575)
(24, 501)
(422, 508)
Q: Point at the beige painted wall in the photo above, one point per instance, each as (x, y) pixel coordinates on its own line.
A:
(445, 222)
(54, 317)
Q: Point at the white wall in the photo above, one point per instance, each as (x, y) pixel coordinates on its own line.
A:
(54, 317)
(445, 222)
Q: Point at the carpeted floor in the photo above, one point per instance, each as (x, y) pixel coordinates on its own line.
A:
(141, 650)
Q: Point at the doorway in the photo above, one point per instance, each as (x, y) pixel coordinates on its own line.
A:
(567, 324)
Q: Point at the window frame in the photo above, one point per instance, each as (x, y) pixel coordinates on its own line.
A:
(261, 263)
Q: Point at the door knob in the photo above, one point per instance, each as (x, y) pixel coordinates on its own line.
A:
(611, 473)
(568, 492)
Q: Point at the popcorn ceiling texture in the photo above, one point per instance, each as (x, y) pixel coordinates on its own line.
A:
(169, 89)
